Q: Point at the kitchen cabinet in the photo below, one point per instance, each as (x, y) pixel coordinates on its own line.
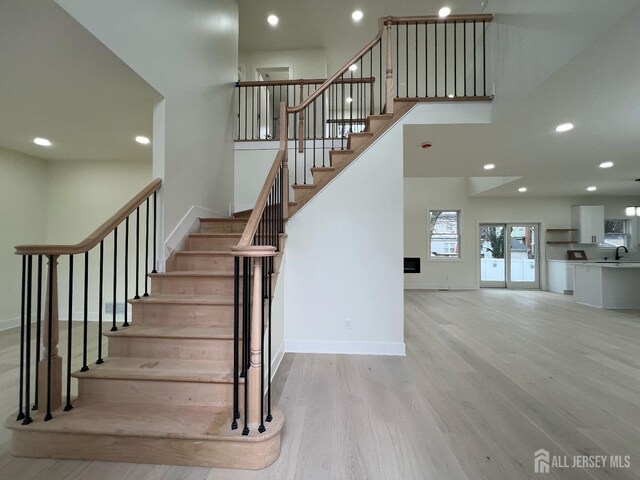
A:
(560, 274)
(589, 221)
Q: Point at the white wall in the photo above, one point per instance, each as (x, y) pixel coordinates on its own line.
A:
(23, 196)
(188, 51)
(424, 194)
(344, 256)
(303, 63)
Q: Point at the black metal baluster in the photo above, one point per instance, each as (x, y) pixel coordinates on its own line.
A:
(484, 58)
(115, 278)
(455, 58)
(137, 297)
(253, 113)
(262, 428)
(323, 129)
(397, 72)
(315, 117)
(475, 74)
(435, 55)
(52, 259)
(246, 338)
(21, 414)
(380, 78)
(295, 148)
(100, 305)
(246, 118)
(27, 373)
(406, 60)
(426, 59)
(259, 118)
(68, 405)
(269, 416)
(38, 332)
(446, 54)
(416, 55)
(155, 233)
(464, 52)
(236, 339)
(342, 108)
(86, 312)
(126, 269)
(146, 255)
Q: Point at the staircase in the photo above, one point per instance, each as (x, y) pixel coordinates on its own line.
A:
(375, 127)
(164, 394)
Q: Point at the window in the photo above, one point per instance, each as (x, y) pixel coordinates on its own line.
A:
(616, 233)
(444, 233)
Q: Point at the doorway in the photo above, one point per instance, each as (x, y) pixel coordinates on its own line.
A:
(509, 255)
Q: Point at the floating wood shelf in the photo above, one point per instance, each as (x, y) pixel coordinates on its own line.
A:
(562, 229)
(560, 242)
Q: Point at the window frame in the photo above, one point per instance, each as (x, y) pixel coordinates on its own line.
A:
(628, 228)
(444, 258)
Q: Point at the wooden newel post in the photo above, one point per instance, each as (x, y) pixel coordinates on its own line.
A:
(50, 318)
(285, 161)
(389, 71)
(254, 373)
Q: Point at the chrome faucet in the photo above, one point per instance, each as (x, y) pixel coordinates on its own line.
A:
(618, 256)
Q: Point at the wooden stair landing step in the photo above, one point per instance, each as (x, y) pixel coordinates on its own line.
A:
(148, 433)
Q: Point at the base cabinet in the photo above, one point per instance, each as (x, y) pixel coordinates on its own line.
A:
(561, 277)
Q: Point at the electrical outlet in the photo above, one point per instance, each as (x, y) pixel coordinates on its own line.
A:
(347, 324)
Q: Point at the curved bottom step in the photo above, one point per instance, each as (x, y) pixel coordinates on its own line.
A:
(155, 434)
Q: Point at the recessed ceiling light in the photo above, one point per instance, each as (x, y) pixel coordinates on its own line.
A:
(606, 165)
(357, 15)
(353, 67)
(348, 99)
(444, 12)
(43, 142)
(522, 189)
(592, 188)
(564, 127)
(489, 166)
(272, 20)
(143, 140)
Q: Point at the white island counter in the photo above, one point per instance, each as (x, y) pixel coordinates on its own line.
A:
(614, 285)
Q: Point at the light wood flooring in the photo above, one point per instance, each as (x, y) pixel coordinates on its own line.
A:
(490, 376)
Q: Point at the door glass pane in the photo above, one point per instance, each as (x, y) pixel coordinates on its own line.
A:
(522, 247)
(492, 253)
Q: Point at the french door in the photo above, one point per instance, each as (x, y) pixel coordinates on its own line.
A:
(509, 255)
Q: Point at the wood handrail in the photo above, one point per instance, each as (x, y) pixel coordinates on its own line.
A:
(301, 81)
(382, 22)
(98, 234)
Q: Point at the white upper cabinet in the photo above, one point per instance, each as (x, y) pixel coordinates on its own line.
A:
(589, 220)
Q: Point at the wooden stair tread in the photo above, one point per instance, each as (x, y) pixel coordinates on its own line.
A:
(149, 420)
(213, 332)
(340, 152)
(186, 299)
(323, 169)
(170, 369)
(303, 186)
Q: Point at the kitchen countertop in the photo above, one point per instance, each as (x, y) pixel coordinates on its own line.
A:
(612, 264)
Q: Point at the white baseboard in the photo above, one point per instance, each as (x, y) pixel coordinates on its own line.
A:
(352, 348)
(188, 224)
(9, 323)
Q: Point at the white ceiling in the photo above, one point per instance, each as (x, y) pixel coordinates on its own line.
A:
(57, 81)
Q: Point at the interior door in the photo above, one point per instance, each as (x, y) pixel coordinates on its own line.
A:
(521, 258)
